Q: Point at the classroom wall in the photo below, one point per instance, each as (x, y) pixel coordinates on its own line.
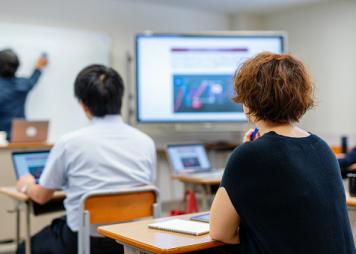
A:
(323, 36)
(118, 18)
(121, 20)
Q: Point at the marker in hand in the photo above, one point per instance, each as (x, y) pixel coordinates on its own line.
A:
(42, 61)
(44, 55)
(253, 134)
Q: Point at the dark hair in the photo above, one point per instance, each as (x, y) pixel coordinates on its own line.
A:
(101, 89)
(9, 63)
(274, 87)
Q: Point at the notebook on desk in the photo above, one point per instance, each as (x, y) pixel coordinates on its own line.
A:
(191, 159)
(182, 226)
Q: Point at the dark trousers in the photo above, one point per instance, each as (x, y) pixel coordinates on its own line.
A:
(58, 238)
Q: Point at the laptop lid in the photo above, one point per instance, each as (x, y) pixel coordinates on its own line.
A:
(32, 162)
(23, 131)
(188, 158)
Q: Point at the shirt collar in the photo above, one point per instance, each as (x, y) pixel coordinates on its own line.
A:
(107, 119)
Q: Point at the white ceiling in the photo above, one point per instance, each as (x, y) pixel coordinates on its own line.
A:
(236, 6)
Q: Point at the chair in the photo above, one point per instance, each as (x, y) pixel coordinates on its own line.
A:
(115, 206)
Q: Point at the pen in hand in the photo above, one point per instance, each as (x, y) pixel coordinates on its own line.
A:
(253, 134)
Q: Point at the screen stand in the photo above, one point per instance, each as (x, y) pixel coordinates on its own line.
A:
(209, 127)
(130, 89)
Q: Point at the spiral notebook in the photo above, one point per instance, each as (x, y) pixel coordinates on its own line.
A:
(182, 226)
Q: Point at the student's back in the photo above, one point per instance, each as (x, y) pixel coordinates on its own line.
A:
(14, 90)
(106, 155)
(289, 195)
(281, 191)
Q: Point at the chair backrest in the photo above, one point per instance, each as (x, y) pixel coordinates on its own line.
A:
(115, 206)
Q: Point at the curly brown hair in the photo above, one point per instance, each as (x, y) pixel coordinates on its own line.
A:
(274, 87)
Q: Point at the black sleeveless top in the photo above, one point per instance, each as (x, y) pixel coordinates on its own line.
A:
(289, 195)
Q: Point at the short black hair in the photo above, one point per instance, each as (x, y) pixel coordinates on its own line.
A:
(9, 63)
(101, 89)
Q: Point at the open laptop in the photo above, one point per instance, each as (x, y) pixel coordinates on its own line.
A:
(23, 131)
(191, 159)
(32, 162)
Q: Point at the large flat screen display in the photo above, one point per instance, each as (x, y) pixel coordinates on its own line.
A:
(188, 78)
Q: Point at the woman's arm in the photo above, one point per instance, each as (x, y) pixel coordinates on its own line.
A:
(224, 220)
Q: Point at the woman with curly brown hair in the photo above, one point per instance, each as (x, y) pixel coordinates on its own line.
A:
(282, 192)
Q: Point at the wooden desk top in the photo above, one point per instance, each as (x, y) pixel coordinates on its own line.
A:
(14, 194)
(13, 146)
(197, 180)
(138, 235)
(351, 201)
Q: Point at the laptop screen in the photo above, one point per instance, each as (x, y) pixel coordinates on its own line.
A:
(30, 162)
(188, 158)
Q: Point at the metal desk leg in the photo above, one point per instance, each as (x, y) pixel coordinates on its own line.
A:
(17, 214)
(210, 196)
(205, 197)
(130, 250)
(28, 228)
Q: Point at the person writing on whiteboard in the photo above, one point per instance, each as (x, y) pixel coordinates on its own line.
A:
(281, 191)
(14, 90)
(106, 155)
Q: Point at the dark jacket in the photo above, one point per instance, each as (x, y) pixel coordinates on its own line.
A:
(13, 94)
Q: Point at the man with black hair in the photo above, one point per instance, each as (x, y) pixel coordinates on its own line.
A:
(14, 90)
(108, 154)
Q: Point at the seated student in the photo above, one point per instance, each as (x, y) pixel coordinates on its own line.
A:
(14, 90)
(107, 154)
(282, 192)
(346, 161)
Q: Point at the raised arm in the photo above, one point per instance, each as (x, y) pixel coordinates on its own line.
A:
(41, 63)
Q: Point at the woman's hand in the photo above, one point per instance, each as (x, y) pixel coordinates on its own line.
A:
(247, 136)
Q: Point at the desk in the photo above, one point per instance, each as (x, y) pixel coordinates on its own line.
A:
(136, 237)
(351, 201)
(20, 199)
(204, 182)
(8, 178)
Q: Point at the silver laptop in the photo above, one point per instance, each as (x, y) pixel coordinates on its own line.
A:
(23, 131)
(191, 159)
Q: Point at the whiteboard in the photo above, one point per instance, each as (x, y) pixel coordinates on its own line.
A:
(68, 51)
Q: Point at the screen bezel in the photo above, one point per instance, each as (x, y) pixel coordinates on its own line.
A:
(187, 171)
(244, 34)
(21, 153)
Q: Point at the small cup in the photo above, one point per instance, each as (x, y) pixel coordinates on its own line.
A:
(352, 184)
(3, 140)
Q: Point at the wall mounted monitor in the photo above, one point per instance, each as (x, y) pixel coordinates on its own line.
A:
(188, 77)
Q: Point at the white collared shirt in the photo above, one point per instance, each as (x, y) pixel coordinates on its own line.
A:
(107, 154)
